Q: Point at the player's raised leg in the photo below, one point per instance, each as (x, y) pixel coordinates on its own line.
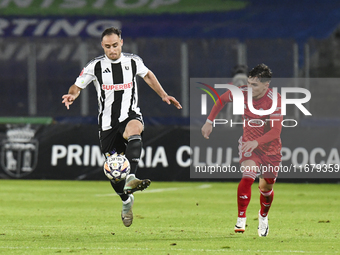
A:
(133, 151)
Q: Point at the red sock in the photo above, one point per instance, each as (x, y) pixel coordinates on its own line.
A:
(266, 199)
(243, 195)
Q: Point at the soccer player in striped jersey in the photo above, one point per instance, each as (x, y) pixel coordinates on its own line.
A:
(120, 120)
(259, 146)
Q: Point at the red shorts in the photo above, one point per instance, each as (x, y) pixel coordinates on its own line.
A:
(268, 166)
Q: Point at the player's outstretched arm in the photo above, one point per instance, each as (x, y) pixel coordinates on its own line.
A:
(73, 93)
(152, 81)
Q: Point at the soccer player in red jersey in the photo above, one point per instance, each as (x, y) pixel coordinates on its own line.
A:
(259, 146)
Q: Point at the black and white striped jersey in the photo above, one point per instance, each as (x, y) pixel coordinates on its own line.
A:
(115, 82)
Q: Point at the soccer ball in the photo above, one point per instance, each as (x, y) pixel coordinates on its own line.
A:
(117, 167)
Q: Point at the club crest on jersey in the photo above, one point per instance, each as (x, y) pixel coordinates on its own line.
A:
(121, 86)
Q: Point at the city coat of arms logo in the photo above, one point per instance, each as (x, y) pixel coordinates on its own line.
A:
(19, 152)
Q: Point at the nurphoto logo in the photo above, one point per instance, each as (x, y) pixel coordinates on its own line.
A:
(238, 104)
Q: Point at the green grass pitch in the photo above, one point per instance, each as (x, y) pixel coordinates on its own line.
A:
(83, 217)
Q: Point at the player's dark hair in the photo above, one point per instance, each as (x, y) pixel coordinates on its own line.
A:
(110, 31)
(262, 72)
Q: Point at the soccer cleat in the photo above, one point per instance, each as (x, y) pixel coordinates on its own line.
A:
(127, 215)
(240, 226)
(263, 228)
(134, 184)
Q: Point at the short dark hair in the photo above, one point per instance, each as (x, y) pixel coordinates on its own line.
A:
(110, 31)
(262, 72)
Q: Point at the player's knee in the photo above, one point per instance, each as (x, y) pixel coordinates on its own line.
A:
(267, 191)
(264, 186)
(134, 127)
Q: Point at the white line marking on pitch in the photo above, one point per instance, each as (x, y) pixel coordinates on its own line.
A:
(204, 186)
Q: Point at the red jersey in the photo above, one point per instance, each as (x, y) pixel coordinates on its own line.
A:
(264, 129)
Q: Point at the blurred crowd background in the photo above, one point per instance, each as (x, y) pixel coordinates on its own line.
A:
(44, 45)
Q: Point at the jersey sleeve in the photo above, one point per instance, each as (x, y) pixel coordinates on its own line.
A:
(275, 120)
(85, 77)
(142, 70)
(225, 98)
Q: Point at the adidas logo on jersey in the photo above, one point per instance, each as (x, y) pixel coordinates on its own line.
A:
(107, 70)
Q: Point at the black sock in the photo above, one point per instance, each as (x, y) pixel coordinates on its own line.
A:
(119, 188)
(133, 152)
